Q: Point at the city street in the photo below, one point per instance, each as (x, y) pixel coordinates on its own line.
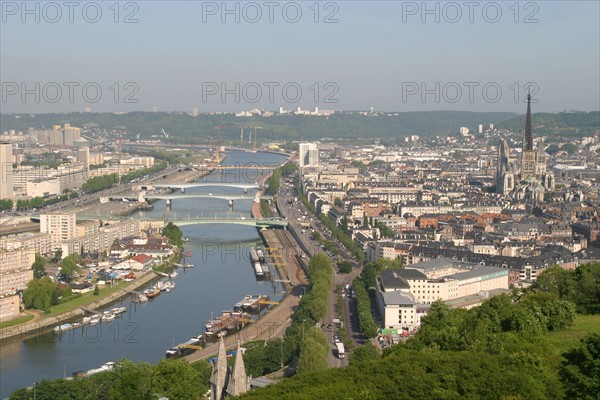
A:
(295, 212)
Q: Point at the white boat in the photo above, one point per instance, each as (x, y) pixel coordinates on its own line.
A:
(173, 274)
(62, 328)
(109, 366)
(172, 352)
(108, 316)
(95, 319)
(119, 310)
(142, 298)
(86, 320)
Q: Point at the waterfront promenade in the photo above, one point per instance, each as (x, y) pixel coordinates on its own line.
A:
(46, 324)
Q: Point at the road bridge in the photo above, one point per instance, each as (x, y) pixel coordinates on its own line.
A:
(169, 197)
(256, 222)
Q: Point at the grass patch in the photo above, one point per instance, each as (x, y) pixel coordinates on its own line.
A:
(16, 321)
(568, 338)
(85, 299)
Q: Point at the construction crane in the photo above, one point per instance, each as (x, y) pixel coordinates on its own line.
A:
(165, 134)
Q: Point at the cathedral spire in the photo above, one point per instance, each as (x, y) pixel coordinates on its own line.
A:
(528, 131)
(218, 379)
(238, 382)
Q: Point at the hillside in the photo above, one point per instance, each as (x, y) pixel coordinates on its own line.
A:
(185, 128)
(565, 124)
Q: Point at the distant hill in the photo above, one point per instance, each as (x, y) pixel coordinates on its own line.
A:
(184, 127)
(569, 124)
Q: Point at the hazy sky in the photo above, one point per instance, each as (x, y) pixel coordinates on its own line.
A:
(344, 55)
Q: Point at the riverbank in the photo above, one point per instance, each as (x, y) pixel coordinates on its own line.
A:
(275, 321)
(46, 323)
(25, 329)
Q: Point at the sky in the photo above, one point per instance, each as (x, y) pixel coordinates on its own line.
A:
(110, 56)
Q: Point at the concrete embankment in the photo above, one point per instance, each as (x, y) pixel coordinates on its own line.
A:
(45, 325)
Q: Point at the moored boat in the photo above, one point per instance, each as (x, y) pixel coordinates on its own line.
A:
(152, 293)
(255, 302)
(62, 328)
(119, 310)
(228, 321)
(240, 304)
(108, 316)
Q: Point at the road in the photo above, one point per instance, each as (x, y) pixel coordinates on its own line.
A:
(297, 214)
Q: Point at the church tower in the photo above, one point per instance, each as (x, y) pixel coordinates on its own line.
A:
(528, 159)
(505, 181)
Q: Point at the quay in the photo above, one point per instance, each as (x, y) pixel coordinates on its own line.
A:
(45, 325)
(274, 323)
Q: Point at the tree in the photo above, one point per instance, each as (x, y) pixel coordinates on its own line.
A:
(273, 355)
(204, 372)
(41, 294)
(96, 290)
(6, 204)
(364, 354)
(177, 379)
(314, 350)
(39, 267)
(555, 280)
(132, 381)
(581, 369)
(345, 267)
(57, 255)
(587, 288)
(69, 267)
(570, 148)
(174, 234)
(440, 328)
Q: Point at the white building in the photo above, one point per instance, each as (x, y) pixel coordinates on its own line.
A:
(6, 171)
(404, 296)
(308, 154)
(60, 226)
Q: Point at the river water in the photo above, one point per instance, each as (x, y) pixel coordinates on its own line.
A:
(221, 276)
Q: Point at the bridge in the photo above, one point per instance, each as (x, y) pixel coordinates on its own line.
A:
(141, 197)
(256, 222)
(259, 223)
(249, 166)
(184, 186)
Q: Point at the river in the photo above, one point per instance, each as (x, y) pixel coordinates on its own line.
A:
(221, 276)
